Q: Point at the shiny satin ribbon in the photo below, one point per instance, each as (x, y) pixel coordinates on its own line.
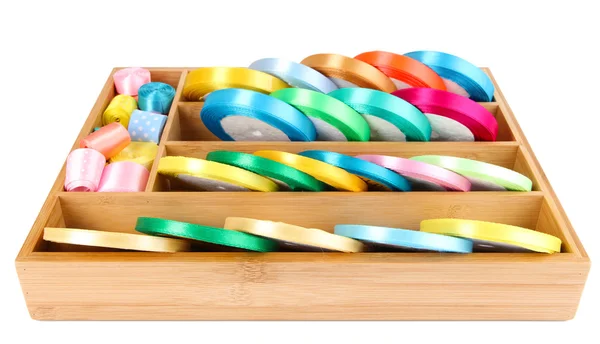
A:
(386, 115)
(295, 74)
(108, 140)
(286, 177)
(483, 176)
(156, 97)
(378, 178)
(328, 174)
(142, 153)
(124, 176)
(422, 176)
(475, 117)
(353, 71)
(404, 71)
(496, 237)
(129, 80)
(173, 166)
(146, 126)
(119, 110)
(333, 120)
(467, 76)
(211, 235)
(243, 115)
(405, 239)
(203, 81)
(84, 170)
(294, 237)
(123, 241)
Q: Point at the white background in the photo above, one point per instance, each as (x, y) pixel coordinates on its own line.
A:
(55, 58)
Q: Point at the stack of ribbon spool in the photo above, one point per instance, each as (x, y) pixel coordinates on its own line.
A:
(375, 96)
(317, 170)
(133, 123)
(239, 233)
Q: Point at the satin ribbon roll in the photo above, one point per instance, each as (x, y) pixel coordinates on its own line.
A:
(328, 174)
(202, 81)
(422, 176)
(156, 97)
(378, 178)
(108, 140)
(122, 241)
(146, 126)
(119, 110)
(348, 72)
(404, 71)
(494, 237)
(211, 235)
(124, 176)
(286, 177)
(404, 239)
(129, 80)
(460, 76)
(390, 118)
(242, 115)
(142, 153)
(333, 120)
(213, 176)
(452, 117)
(295, 74)
(294, 237)
(483, 176)
(84, 170)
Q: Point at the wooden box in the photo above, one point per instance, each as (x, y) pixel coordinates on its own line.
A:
(75, 283)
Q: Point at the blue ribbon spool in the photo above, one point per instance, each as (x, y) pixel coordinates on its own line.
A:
(465, 74)
(295, 74)
(378, 178)
(146, 126)
(235, 114)
(405, 239)
(156, 97)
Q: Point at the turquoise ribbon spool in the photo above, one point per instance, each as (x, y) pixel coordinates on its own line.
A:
(378, 178)
(295, 74)
(405, 239)
(156, 97)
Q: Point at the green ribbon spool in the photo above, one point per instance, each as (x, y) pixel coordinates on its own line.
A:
(290, 177)
(218, 236)
(321, 108)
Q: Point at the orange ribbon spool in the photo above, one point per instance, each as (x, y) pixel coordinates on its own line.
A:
(351, 70)
(404, 69)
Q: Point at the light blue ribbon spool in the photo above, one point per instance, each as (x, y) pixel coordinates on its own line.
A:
(235, 114)
(295, 74)
(377, 177)
(156, 97)
(146, 126)
(468, 76)
(405, 239)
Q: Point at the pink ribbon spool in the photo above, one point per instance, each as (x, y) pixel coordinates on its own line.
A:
(84, 170)
(129, 80)
(422, 176)
(108, 140)
(124, 176)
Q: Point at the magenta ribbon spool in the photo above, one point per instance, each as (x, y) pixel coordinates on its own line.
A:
(463, 110)
(84, 170)
(422, 176)
(124, 176)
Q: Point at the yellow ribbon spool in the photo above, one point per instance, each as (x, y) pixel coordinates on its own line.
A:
(123, 241)
(175, 165)
(119, 110)
(142, 153)
(494, 232)
(294, 235)
(328, 174)
(202, 81)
